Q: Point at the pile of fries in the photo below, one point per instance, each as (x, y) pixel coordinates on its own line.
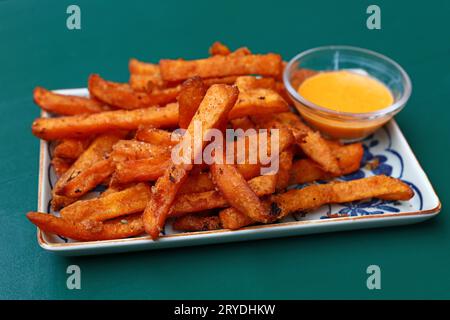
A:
(123, 136)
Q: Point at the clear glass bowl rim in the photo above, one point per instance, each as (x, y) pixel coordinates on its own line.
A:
(392, 109)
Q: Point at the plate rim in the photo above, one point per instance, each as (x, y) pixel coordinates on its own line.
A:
(92, 245)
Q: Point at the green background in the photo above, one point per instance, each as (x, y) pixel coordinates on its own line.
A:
(38, 49)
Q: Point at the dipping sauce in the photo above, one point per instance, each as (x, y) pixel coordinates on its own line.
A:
(346, 91)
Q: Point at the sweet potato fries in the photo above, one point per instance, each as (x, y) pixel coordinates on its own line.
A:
(161, 148)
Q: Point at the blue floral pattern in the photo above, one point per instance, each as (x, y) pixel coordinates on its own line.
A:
(379, 158)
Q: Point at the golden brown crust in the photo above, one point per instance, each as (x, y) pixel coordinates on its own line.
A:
(82, 126)
(65, 104)
(221, 66)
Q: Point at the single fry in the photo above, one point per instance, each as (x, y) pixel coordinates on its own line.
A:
(88, 230)
(121, 95)
(258, 102)
(314, 196)
(348, 156)
(125, 150)
(139, 170)
(82, 126)
(88, 179)
(221, 66)
(196, 223)
(110, 206)
(237, 192)
(213, 109)
(192, 92)
(65, 104)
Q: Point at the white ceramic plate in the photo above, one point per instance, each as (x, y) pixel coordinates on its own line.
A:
(388, 145)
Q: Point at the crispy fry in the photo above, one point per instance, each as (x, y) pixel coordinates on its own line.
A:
(139, 170)
(258, 102)
(314, 196)
(70, 148)
(221, 66)
(65, 104)
(196, 223)
(60, 165)
(218, 48)
(88, 230)
(348, 156)
(196, 202)
(163, 196)
(86, 125)
(88, 179)
(237, 192)
(157, 136)
(192, 92)
(213, 109)
(125, 150)
(110, 206)
(121, 95)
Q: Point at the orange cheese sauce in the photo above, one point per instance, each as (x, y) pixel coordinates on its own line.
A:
(346, 91)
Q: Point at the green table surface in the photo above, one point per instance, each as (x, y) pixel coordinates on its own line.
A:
(38, 49)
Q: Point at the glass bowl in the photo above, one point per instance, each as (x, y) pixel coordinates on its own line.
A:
(346, 126)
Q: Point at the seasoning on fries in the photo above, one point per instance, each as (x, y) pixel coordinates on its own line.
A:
(160, 145)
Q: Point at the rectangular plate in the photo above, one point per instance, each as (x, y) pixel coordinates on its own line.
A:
(388, 146)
